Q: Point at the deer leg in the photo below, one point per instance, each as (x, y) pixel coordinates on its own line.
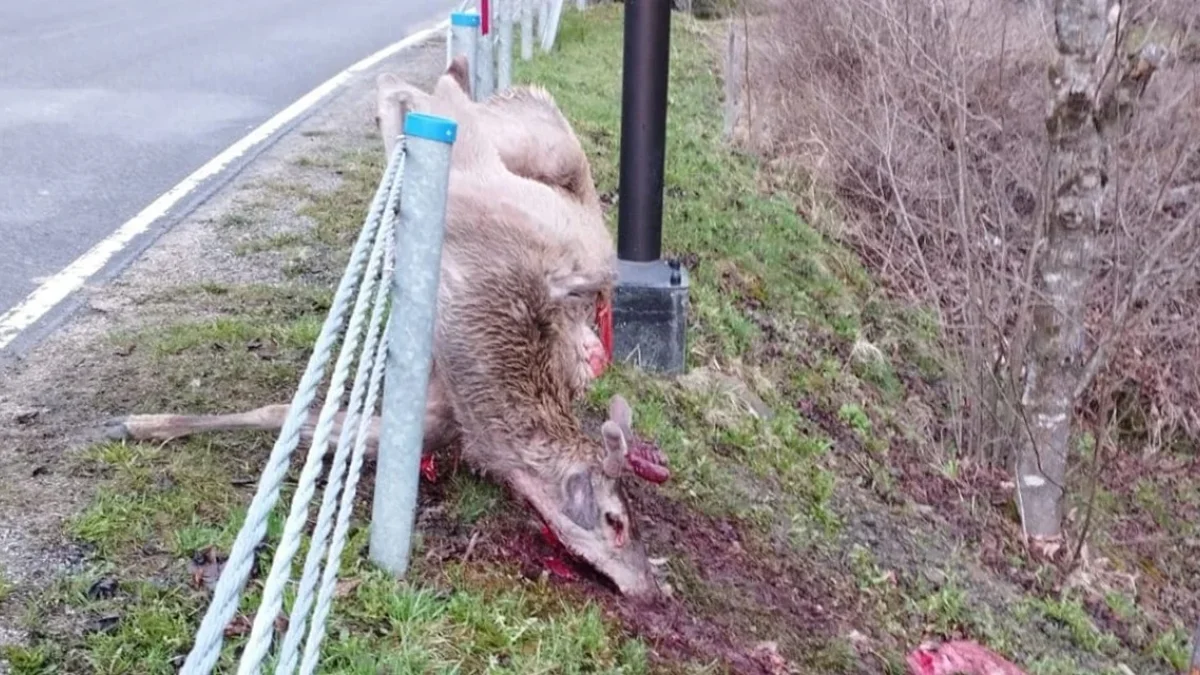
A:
(171, 427)
(440, 428)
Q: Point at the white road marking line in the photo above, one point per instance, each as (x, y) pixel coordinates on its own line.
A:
(58, 287)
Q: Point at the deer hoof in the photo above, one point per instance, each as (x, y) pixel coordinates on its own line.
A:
(116, 430)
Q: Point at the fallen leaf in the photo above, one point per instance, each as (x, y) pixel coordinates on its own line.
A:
(345, 587)
(240, 625)
(206, 566)
(263, 349)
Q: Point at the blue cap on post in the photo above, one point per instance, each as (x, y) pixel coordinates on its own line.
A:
(430, 127)
(464, 19)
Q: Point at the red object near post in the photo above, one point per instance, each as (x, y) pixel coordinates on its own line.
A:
(604, 320)
(958, 657)
(485, 11)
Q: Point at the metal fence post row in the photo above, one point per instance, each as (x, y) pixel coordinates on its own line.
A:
(464, 33)
(553, 14)
(485, 67)
(206, 647)
(505, 11)
(543, 15)
(526, 29)
(411, 323)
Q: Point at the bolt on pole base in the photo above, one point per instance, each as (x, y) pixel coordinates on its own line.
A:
(650, 308)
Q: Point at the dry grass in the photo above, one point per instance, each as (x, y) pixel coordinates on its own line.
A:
(925, 122)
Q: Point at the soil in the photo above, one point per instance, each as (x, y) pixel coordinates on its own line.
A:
(717, 623)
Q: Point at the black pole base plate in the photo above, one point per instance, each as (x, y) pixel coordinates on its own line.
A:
(650, 306)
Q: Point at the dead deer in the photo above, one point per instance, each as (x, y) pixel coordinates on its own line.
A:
(528, 132)
(531, 134)
(530, 137)
(520, 271)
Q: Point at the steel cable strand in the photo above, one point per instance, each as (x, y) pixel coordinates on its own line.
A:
(262, 631)
(329, 574)
(318, 545)
(210, 636)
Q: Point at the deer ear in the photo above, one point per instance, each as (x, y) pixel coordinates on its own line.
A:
(614, 449)
(620, 412)
(580, 503)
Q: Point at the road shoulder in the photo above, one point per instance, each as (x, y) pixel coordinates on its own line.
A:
(272, 242)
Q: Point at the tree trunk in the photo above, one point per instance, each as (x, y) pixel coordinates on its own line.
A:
(1076, 180)
(1194, 664)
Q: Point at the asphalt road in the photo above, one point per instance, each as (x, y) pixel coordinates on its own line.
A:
(106, 104)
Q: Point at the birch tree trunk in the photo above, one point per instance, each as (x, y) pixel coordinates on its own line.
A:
(1076, 181)
(1194, 664)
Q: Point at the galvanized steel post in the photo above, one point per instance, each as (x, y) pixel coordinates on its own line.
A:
(553, 17)
(485, 66)
(543, 14)
(526, 29)
(504, 70)
(464, 32)
(419, 235)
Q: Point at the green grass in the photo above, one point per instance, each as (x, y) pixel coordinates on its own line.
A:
(776, 309)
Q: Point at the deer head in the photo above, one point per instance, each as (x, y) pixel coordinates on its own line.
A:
(583, 504)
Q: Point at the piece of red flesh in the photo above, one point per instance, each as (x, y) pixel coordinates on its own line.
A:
(429, 468)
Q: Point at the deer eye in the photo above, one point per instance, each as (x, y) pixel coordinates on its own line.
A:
(617, 524)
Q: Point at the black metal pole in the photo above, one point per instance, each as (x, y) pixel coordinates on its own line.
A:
(643, 129)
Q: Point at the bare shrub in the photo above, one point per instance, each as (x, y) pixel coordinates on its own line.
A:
(926, 121)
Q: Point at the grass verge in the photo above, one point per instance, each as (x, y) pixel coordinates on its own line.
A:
(784, 523)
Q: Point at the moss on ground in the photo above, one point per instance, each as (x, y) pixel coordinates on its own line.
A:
(783, 322)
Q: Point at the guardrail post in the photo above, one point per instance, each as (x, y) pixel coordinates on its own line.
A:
(504, 69)
(464, 32)
(553, 15)
(526, 29)
(419, 235)
(543, 14)
(485, 70)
